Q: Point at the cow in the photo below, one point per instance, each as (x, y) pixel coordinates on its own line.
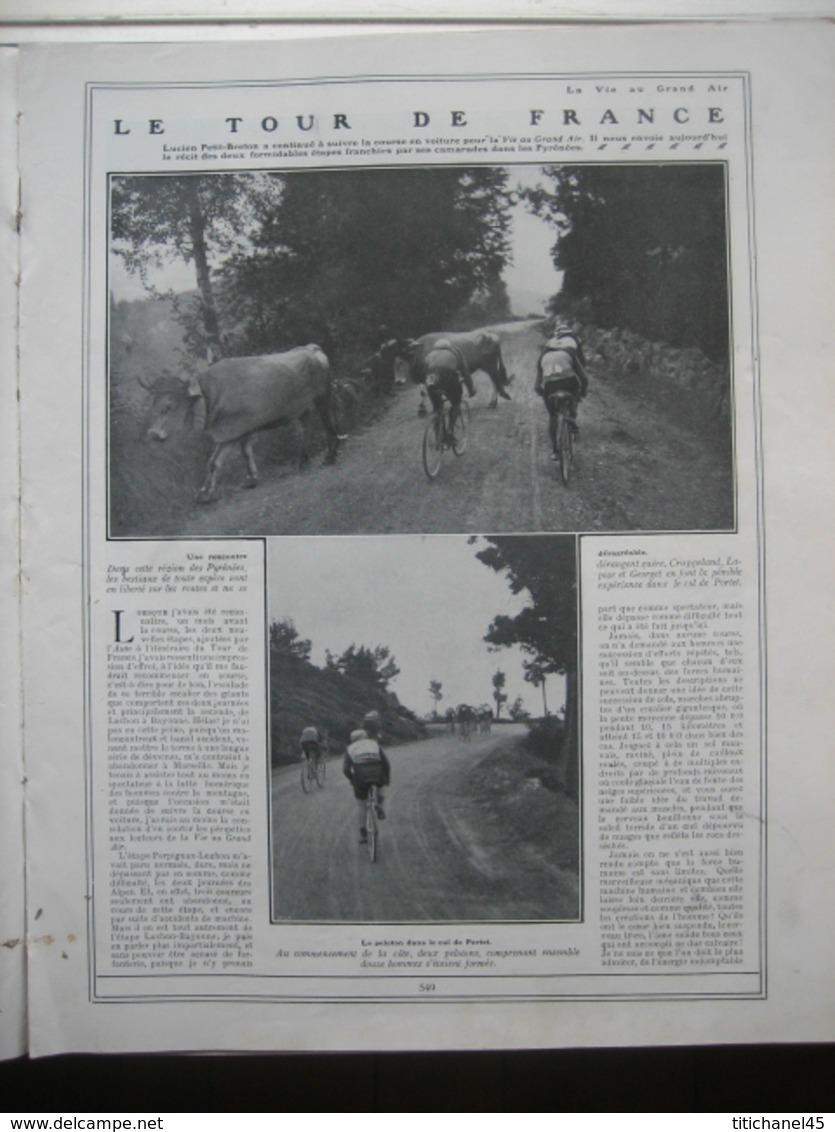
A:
(481, 350)
(243, 396)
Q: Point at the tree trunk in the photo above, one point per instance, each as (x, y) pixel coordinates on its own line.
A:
(197, 232)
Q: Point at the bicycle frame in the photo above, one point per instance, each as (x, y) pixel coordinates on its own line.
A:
(313, 771)
(444, 434)
(561, 410)
(371, 821)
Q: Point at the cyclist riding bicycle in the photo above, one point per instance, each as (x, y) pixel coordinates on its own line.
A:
(365, 765)
(311, 743)
(561, 367)
(446, 369)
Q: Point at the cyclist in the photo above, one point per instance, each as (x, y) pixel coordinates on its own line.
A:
(365, 764)
(561, 366)
(311, 743)
(445, 368)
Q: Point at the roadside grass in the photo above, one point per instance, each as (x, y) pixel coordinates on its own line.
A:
(513, 798)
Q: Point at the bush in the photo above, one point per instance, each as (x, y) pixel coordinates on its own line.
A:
(545, 738)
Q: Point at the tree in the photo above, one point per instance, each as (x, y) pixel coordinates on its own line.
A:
(340, 254)
(546, 628)
(499, 696)
(492, 304)
(198, 219)
(436, 694)
(643, 247)
(286, 641)
(375, 666)
(535, 673)
(516, 711)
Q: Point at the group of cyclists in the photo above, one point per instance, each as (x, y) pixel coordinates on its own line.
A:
(365, 763)
(560, 367)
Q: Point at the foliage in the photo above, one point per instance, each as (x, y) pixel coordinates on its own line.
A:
(284, 259)
(375, 666)
(492, 304)
(642, 247)
(198, 219)
(499, 696)
(436, 694)
(343, 253)
(303, 695)
(546, 628)
(546, 737)
(517, 711)
(535, 671)
(286, 641)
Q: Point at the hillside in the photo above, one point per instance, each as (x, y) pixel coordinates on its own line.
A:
(302, 695)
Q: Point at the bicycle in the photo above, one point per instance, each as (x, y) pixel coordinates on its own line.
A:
(313, 772)
(438, 437)
(561, 425)
(372, 826)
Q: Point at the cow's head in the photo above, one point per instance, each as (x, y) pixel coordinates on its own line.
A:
(173, 404)
(407, 348)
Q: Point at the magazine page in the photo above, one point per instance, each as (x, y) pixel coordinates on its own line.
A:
(12, 921)
(423, 541)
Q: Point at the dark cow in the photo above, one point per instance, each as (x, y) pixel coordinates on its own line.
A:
(481, 350)
(242, 396)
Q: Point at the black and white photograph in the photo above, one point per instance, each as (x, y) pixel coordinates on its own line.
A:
(438, 349)
(424, 722)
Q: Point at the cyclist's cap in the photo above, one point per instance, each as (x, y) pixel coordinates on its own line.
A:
(355, 736)
(311, 734)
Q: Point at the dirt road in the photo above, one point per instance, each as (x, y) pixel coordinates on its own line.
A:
(638, 467)
(461, 841)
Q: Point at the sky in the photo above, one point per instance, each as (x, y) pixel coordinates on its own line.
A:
(531, 278)
(426, 597)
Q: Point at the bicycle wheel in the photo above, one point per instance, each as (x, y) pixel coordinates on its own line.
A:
(319, 769)
(564, 445)
(371, 823)
(433, 445)
(307, 777)
(461, 429)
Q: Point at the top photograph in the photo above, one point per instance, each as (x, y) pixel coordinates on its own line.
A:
(456, 349)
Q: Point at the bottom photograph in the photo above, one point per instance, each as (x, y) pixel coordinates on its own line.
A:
(424, 729)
